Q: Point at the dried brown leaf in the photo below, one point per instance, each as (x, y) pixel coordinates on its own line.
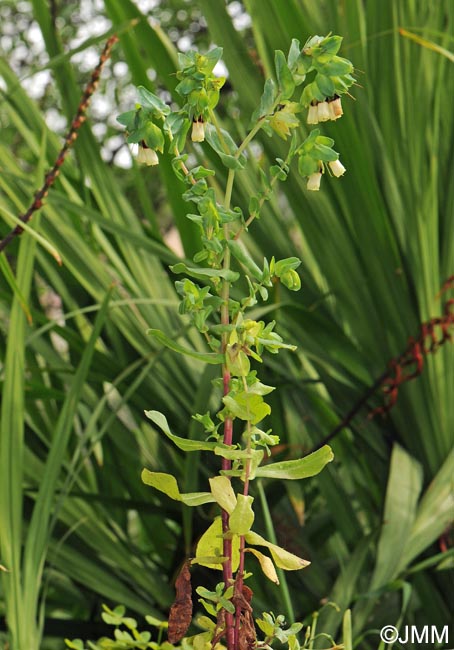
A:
(180, 616)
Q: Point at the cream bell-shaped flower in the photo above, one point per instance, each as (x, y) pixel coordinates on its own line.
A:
(337, 168)
(335, 108)
(313, 181)
(323, 112)
(198, 131)
(312, 114)
(147, 156)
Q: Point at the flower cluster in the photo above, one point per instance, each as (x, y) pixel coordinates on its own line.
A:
(315, 154)
(314, 179)
(142, 128)
(146, 155)
(199, 87)
(325, 75)
(329, 109)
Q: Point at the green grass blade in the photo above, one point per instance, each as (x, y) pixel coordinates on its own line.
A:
(38, 533)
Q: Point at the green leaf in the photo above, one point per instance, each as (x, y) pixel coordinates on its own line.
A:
(266, 625)
(167, 484)
(310, 92)
(347, 630)
(267, 101)
(294, 52)
(185, 444)
(325, 153)
(238, 454)
(284, 76)
(213, 562)
(242, 517)
(156, 622)
(298, 469)
(9, 276)
(289, 263)
(337, 67)
(239, 251)
(128, 119)
(225, 147)
(210, 545)
(402, 494)
(31, 231)
(222, 491)
(247, 407)
(150, 100)
(434, 513)
(207, 357)
(266, 565)
(331, 45)
(325, 85)
(204, 273)
(211, 58)
(283, 559)
(75, 644)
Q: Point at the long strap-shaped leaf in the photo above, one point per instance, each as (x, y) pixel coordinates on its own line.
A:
(12, 451)
(36, 545)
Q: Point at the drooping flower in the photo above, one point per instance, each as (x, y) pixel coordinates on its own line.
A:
(146, 155)
(285, 119)
(323, 112)
(198, 131)
(337, 168)
(335, 108)
(313, 181)
(312, 114)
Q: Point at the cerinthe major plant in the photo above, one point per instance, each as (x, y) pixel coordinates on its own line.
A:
(213, 299)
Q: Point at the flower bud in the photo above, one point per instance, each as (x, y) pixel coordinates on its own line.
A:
(337, 168)
(291, 280)
(198, 131)
(313, 182)
(323, 112)
(147, 156)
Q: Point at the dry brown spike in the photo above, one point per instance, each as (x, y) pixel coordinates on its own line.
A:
(70, 138)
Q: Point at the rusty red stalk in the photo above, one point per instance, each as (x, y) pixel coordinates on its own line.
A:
(226, 464)
(408, 365)
(69, 140)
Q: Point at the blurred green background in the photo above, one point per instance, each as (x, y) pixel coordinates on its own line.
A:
(77, 527)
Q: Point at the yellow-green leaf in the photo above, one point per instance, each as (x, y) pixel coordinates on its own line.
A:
(222, 491)
(266, 565)
(210, 560)
(202, 641)
(185, 444)
(347, 630)
(283, 559)
(207, 357)
(242, 517)
(167, 483)
(300, 468)
(211, 546)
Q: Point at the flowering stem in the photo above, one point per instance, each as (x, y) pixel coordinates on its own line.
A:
(265, 197)
(250, 136)
(232, 624)
(228, 423)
